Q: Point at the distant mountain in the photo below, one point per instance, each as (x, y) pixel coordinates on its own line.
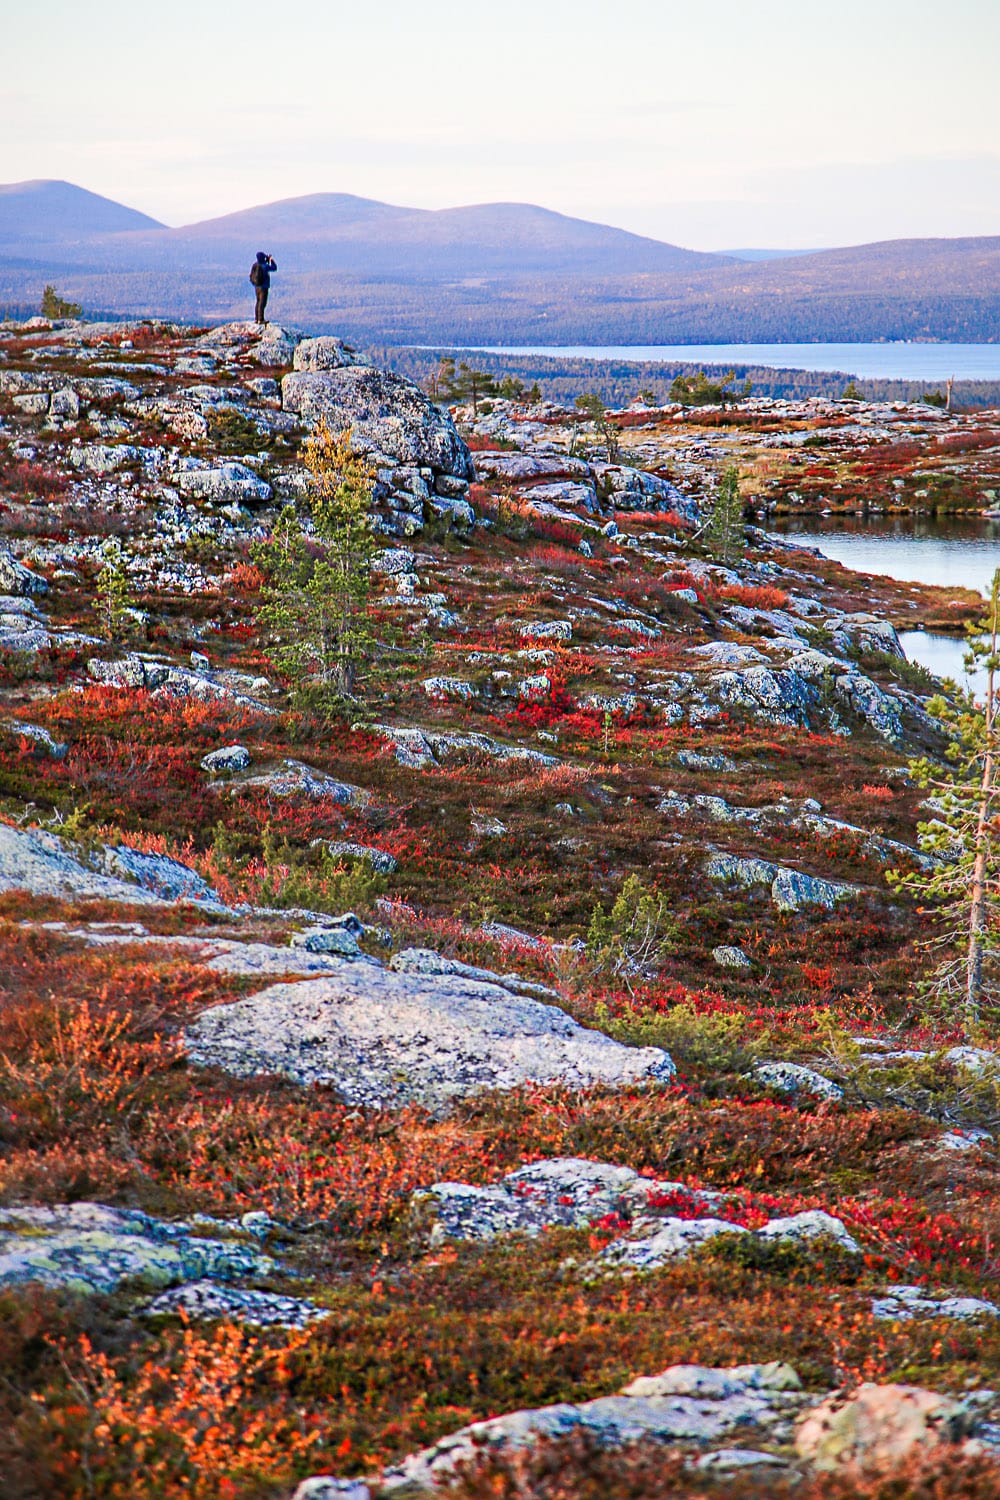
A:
(46, 214)
(495, 273)
(338, 232)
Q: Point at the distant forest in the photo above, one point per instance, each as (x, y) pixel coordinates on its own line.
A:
(619, 381)
(631, 309)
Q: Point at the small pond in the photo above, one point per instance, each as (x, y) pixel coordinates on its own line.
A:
(949, 551)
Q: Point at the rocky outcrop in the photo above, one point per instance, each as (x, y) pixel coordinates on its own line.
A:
(249, 343)
(564, 1191)
(322, 354)
(16, 579)
(685, 1404)
(224, 484)
(790, 890)
(209, 1300)
(903, 1303)
(389, 417)
(653, 1242)
(793, 1078)
(93, 1248)
(293, 779)
(425, 748)
(383, 1038)
(39, 862)
(22, 626)
(877, 1427)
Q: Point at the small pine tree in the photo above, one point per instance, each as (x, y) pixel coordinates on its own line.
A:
(593, 410)
(852, 391)
(962, 837)
(725, 526)
(54, 306)
(317, 588)
(464, 384)
(113, 593)
(631, 941)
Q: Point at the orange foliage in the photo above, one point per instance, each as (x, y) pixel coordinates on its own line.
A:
(194, 1420)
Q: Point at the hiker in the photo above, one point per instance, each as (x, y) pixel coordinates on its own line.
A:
(260, 277)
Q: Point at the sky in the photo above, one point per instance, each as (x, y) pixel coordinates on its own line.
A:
(724, 125)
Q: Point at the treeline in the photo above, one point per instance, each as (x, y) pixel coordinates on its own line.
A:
(654, 309)
(620, 381)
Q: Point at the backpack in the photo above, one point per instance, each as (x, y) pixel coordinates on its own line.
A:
(255, 271)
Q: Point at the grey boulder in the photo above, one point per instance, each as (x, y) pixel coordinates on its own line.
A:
(386, 413)
(16, 579)
(388, 1039)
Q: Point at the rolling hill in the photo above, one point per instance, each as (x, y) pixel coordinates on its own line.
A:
(487, 273)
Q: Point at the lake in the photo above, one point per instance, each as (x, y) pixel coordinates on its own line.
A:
(942, 550)
(899, 361)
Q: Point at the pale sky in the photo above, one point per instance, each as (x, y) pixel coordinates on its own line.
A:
(727, 124)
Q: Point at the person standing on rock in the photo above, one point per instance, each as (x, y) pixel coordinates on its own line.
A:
(260, 278)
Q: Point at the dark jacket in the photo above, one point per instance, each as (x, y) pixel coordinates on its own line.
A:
(265, 265)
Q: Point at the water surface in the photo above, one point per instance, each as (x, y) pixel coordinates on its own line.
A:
(949, 551)
(898, 361)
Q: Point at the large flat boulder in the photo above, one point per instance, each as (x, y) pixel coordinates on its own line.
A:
(386, 1038)
(387, 414)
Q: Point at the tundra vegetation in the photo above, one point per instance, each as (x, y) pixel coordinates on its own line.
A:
(447, 786)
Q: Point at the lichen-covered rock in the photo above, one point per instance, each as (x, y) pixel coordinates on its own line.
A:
(880, 1426)
(506, 465)
(387, 414)
(165, 877)
(132, 671)
(813, 1224)
(564, 1191)
(380, 860)
(92, 1248)
(456, 688)
(385, 1038)
(16, 579)
(229, 758)
(728, 957)
(867, 700)
(202, 1300)
(653, 1242)
(293, 779)
(38, 737)
(790, 890)
(546, 630)
(793, 1078)
(738, 870)
(104, 458)
(427, 961)
(39, 862)
(421, 748)
(21, 631)
(691, 1408)
(253, 343)
(224, 484)
(332, 940)
(323, 353)
(636, 489)
(902, 1303)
